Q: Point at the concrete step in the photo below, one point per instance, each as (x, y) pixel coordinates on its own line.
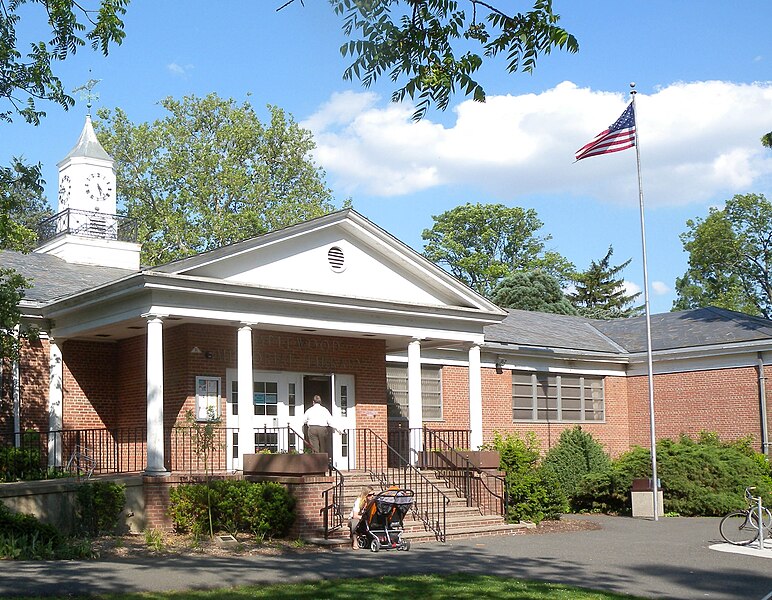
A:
(461, 521)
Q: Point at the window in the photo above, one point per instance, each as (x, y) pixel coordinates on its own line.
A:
(291, 398)
(207, 398)
(431, 392)
(548, 397)
(266, 397)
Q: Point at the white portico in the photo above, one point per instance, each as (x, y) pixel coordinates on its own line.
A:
(263, 323)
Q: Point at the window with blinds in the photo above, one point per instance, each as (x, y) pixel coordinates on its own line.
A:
(431, 392)
(548, 397)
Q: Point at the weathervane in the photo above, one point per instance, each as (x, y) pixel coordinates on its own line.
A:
(87, 92)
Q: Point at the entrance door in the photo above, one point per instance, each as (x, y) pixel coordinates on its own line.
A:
(318, 385)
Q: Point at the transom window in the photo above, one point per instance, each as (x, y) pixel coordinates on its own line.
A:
(548, 397)
(431, 392)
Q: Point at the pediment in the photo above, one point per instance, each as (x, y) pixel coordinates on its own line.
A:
(343, 255)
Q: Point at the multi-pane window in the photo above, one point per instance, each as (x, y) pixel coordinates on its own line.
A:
(266, 397)
(548, 397)
(431, 392)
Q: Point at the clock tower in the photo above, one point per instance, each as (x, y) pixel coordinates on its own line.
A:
(87, 176)
(87, 228)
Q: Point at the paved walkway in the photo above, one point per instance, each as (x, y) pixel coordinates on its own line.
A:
(670, 558)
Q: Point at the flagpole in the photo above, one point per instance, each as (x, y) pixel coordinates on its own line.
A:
(652, 430)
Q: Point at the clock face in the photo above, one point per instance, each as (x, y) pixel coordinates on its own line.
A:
(64, 193)
(98, 188)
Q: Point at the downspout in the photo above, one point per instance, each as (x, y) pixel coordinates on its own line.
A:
(763, 403)
(16, 383)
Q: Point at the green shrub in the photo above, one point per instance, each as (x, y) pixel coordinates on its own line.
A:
(698, 477)
(534, 493)
(23, 537)
(576, 454)
(262, 509)
(99, 506)
(20, 464)
(188, 510)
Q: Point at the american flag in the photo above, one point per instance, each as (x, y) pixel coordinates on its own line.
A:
(620, 136)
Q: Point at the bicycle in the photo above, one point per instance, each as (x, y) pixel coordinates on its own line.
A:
(741, 527)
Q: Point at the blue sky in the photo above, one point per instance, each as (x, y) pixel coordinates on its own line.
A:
(702, 71)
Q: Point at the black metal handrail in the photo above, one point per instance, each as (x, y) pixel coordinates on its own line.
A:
(483, 490)
(332, 512)
(430, 504)
(91, 224)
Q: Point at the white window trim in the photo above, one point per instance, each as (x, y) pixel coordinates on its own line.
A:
(208, 393)
(558, 406)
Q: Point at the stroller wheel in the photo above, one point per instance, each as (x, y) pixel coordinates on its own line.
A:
(375, 545)
(404, 545)
(361, 543)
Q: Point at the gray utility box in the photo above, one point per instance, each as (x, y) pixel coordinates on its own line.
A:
(643, 498)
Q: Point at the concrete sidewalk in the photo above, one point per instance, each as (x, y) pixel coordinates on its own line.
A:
(670, 558)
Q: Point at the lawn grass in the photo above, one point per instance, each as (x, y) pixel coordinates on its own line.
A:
(458, 587)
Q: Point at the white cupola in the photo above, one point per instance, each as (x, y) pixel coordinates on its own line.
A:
(87, 228)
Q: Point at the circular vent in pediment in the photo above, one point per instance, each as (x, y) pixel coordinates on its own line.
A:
(336, 259)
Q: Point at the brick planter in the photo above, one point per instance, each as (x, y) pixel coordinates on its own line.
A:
(284, 465)
(482, 459)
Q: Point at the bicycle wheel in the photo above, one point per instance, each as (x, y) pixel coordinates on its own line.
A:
(739, 528)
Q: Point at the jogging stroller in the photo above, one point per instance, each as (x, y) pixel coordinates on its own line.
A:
(381, 524)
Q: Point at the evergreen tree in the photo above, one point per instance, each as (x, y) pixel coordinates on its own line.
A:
(600, 294)
(535, 291)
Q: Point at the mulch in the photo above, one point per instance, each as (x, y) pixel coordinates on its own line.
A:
(170, 544)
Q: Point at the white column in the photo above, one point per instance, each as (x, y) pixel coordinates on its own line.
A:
(414, 399)
(155, 397)
(246, 392)
(55, 398)
(475, 399)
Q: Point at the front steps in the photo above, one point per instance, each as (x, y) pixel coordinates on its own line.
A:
(462, 522)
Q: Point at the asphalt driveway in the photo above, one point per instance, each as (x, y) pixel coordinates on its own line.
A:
(670, 558)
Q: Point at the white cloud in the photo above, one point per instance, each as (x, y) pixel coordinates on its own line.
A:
(179, 70)
(660, 288)
(698, 140)
(631, 288)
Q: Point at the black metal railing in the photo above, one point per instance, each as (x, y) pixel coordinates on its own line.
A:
(483, 490)
(277, 439)
(90, 224)
(46, 454)
(332, 511)
(372, 455)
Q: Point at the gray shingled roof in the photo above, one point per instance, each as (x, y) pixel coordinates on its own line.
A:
(687, 329)
(53, 278)
(526, 328)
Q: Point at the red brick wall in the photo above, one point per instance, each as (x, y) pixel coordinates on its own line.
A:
(724, 401)
(455, 399)
(33, 384)
(90, 392)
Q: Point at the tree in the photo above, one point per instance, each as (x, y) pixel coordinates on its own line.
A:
(599, 294)
(766, 140)
(23, 208)
(536, 291)
(730, 256)
(24, 81)
(437, 46)
(480, 244)
(210, 174)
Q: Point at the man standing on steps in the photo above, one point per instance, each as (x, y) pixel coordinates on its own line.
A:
(319, 420)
